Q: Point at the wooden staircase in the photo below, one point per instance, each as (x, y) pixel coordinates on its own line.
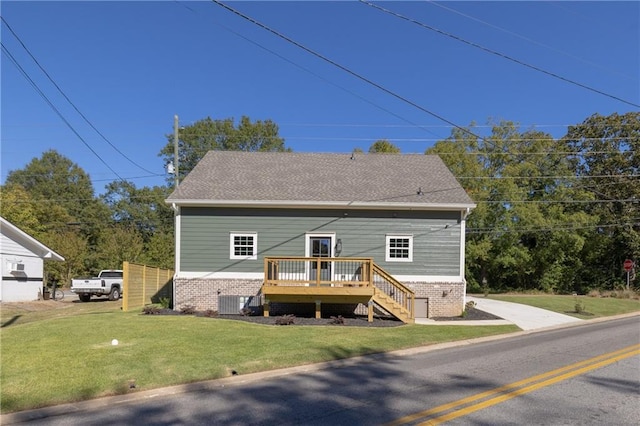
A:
(393, 296)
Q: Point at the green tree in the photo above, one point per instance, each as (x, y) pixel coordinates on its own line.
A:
(61, 193)
(606, 158)
(209, 135)
(53, 178)
(74, 247)
(520, 235)
(17, 206)
(117, 244)
(142, 209)
(50, 224)
(144, 212)
(383, 146)
(159, 251)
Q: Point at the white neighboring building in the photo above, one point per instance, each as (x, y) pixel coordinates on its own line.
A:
(22, 259)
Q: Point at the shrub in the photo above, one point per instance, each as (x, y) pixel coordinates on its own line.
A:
(246, 312)
(210, 313)
(339, 320)
(579, 307)
(470, 305)
(188, 310)
(151, 310)
(165, 302)
(286, 319)
(594, 293)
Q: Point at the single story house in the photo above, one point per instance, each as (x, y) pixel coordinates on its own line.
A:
(251, 226)
(22, 258)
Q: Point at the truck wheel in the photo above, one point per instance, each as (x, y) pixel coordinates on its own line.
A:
(84, 297)
(115, 294)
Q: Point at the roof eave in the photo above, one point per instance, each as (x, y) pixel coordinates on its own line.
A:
(29, 242)
(321, 204)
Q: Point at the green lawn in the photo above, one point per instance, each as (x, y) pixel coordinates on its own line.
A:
(593, 307)
(55, 352)
(66, 355)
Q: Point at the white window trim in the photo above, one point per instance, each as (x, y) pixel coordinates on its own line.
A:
(232, 254)
(387, 248)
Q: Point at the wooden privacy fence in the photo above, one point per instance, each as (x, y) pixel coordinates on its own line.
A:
(143, 285)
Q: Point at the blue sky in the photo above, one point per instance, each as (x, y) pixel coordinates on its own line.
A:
(129, 67)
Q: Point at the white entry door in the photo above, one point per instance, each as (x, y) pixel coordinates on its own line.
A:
(320, 246)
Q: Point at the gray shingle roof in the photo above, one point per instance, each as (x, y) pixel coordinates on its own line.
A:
(279, 178)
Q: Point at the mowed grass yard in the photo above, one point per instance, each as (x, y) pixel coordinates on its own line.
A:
(57, 352)
(588, 307)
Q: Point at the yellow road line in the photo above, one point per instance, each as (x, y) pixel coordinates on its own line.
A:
(527, 389)
(600, 359)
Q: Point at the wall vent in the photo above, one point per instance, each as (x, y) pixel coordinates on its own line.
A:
(232, 305)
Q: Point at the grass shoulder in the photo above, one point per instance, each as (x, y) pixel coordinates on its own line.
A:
(583, 306)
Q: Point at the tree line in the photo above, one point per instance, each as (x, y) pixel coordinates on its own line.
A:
(554, 215)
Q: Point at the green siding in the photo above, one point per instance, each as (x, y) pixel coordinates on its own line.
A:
(205, 237)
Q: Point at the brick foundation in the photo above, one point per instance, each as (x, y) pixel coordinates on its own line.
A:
(442, 299)
(203, 293)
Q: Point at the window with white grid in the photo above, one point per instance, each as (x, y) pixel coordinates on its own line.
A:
(243, 246)
(399, 248)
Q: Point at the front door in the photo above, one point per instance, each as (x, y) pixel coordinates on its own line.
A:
(320, 247)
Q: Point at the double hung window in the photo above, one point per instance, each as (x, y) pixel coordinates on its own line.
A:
(399, 248)
(243, 246)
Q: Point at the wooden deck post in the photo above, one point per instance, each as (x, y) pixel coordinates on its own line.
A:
(370, 311)
(318, 310)
(266, 307)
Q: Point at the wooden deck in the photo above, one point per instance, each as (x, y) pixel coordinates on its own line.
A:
(345, 280)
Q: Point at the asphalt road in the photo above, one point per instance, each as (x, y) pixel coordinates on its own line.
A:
(576, 375)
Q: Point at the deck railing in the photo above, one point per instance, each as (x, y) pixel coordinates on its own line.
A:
(318, 271)
(394, 289)
(341, 272)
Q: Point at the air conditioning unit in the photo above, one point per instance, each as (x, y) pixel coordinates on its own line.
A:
(16, 267)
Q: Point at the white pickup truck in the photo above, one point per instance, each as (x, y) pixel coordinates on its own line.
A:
(107, 283)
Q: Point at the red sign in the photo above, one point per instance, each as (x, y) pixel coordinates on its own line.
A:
(628, 265)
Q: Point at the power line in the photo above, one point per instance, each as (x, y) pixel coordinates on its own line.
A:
(530, 40)
(352, 93)
(448, 139)
(628, 200)
(550, 177)
(69, 100)
(343, 68)
(41, 93)
(493, 52)
(365, 125)
(550, 229)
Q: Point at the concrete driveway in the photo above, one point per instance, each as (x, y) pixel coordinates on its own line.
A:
(524, 316)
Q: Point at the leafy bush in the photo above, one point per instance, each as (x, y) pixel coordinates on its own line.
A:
(210, 313)
(286, 319)
(165, 302)
(151, 310)
(339, 320)
(594, 293)
(247, 312)
(188, 310)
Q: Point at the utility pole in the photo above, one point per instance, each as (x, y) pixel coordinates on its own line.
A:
(175, 150)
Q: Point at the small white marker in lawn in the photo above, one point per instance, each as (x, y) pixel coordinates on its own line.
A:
(114, 342)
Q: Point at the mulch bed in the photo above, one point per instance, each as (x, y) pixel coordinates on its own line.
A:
(472, 314)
